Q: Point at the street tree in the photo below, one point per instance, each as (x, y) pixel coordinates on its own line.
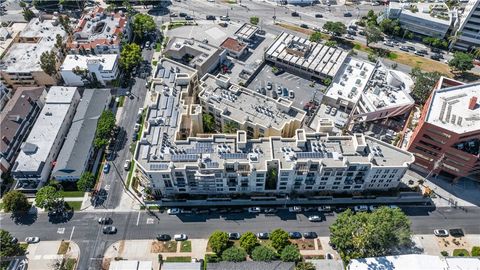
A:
(461, 62)
(254, 20)
(279, 239)
(105, 125)
(47, 197)
(130, 57)
(372, 34)
(142, 25)
(248, 241)
(424, 82)
(290, 254)
(48, 62)
(218, 241)
(337, 28)
(234, 254)
(16, 202)
(316, 36)
(208, 123)
(370, 234)
(263, 254)
(9, 248)
(28, 14)
(86, 181)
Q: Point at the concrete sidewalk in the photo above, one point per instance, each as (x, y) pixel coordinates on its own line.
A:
(45, 254)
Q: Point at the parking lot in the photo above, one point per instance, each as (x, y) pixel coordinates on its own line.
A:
(303, 90)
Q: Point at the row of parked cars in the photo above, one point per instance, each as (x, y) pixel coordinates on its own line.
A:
(237, 235)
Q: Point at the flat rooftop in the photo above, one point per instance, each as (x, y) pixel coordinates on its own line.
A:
(216, 151)
(25, 56)
(108, 61)
(434, 12)
(387, 88)
(41, 139)
(246, 31)
(351, 80)
(199, 51)
(164, 116)
(245, 105)
(415, 262)
(313, 57)
(449, 108)
(98, 27)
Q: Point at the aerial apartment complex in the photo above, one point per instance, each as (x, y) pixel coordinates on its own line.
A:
(172, 160)
(468, 31)
(446, 140)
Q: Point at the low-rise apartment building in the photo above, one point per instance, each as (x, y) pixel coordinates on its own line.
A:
(78, 70)
(16, 120)
(100, 32)
(39, 152)
(173, 159)
(468, 31)
(427, 19)
(78, 149)
(20, 65)
(237, 108)
(446, 140)
(305, 58)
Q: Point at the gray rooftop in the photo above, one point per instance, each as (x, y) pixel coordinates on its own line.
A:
(76, 149)
(246, 31)
(244, 105)
(312, 57)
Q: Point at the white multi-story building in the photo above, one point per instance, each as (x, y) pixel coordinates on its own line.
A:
(171, 161)
(39, 152)
(468, 31)
(78, 70)
(428, 19)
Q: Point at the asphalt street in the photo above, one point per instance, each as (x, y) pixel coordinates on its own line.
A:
(86, 232)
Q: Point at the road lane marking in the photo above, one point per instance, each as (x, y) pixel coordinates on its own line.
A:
(61, 230)
(149, 220)
(107, 187)
(71, 234)
(138, 218)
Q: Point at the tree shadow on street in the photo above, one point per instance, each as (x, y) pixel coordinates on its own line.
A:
(26, 218)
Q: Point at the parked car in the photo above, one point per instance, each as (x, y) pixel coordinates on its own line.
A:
(411, 48)
(291, 94)
(440, 233)
(392, 206)
(126, 166)
(436, 50)
(333, 112)
(314, 218)
(269, 85)
(224, 18)
(106, 168)
(254, 210)
(173, 14)
(310, 235)
(182, 14)
(325, 208)
(163, 237)
(360, 208)
(188, 18)
(295, 14)
(180, 237)
(349, 37)
(210, 17)
(263, 235)
(270, 211)
(318, 15)
(304, 26)
(435, 56)
(295, 209)
(294, 235)
(279, 90)
(372, 208)
(404, 48)
(173, 211)
(134, 136)
(347, 14)
(136, 128)
(109, 230)
(328, 109)
(388, 43)
(456, 232)
(234, 236)
(105, 220)
(32, 240)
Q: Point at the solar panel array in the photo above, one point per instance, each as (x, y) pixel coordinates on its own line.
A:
(211, 165)
(158, 166)
(233, 155)
(310, 155)
(184, 157)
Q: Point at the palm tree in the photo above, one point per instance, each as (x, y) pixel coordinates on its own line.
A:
(453, 39)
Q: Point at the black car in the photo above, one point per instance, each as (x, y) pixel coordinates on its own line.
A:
(347, 14)
(134, 137)
(310, 235)
(435, 57)
(456, 232)
(210, 17)
(188, 18)
(295, 14)
(109, 230)
(436, 50)
(182, 14)
(163, 237)
(105, 220)
(294, 235)
(234, 236)
(304, 26)
(318, 15)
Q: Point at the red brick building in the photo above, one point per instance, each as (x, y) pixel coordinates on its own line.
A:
(446, 140)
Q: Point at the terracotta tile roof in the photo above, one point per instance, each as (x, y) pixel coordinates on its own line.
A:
(232, 45)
